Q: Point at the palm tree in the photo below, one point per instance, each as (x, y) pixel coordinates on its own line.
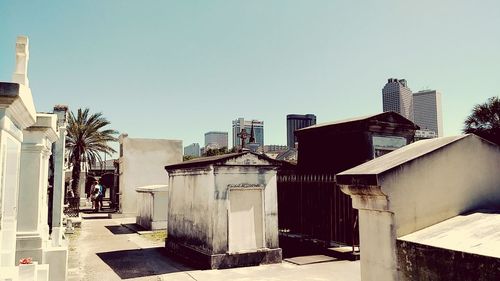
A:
(484, 120)
(86, 138)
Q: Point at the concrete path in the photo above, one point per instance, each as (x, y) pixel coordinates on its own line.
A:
(104, 250)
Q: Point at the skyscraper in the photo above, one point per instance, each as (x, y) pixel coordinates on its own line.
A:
(397, 97)
(192, 150)
(258, 127)
(216, 139)
(427, 111)
(295, 122)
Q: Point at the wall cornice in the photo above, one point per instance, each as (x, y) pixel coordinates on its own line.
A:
(17, 101)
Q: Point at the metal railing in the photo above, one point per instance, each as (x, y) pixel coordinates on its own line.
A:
(313, 206)
(73, 207)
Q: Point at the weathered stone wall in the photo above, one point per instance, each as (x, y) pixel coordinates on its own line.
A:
(141, 164)
(415, 187)
(422, 262)
(152, 207)
(227, 175)
(190, 213)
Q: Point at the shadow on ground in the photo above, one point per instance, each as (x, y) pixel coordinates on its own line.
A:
(134, 227)
(141, 262)
(119, 229)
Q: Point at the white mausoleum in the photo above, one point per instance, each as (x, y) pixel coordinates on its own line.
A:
(223, 211)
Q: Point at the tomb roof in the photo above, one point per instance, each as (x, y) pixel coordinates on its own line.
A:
(387, 117)
(368, 173)
(475, 233)
(221, 159)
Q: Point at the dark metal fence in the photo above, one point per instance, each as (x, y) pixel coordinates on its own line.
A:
(313, 206)
(73, 207)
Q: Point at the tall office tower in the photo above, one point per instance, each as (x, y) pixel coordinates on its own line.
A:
(295, 122)
(258, 127)
(192, 150)
(216, 140)
(397, 97)
(427, 111)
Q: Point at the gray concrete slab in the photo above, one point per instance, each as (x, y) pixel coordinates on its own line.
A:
(103, 249)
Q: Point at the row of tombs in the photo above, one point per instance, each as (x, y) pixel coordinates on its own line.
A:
(32, 241)
(427, 210)
(346, 193)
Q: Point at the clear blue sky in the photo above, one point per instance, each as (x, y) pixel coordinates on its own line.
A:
(177, 69)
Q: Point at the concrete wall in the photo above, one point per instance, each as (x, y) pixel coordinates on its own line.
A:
(203, 225)
(142, 163)
(423, 262)
(227, 175)
(190, 215)
(415, 187)
(444, 183)
(152, 207)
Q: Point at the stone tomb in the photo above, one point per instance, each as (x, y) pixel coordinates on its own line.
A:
(32, 226)
(419, 186)
(151, 211)
(222, 210)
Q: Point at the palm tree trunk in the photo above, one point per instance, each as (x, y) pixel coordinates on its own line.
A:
(75, 175)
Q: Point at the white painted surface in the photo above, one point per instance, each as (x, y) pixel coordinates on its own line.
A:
(152, 207)
(22, 57)
(57, 259)
(418, 185)
(476, 233)
(142, 163)
(190, 212)
(246, 230)
(199, 205)
(32, 225)
(10, 154)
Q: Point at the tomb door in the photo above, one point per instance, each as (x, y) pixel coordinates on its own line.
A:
(246, 220)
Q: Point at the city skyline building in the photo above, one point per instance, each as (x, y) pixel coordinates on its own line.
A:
(428, 112)
(216, 139)
(241, 123)
(192, 150)
(295, 122)
(397, 97)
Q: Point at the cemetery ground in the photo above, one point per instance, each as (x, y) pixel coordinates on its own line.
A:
(106, 249)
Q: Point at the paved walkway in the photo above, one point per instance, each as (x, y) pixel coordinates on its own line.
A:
(102, 249)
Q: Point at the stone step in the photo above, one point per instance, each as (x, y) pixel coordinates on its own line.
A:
(344, 252)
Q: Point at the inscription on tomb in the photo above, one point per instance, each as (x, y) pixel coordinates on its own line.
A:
(245, 185)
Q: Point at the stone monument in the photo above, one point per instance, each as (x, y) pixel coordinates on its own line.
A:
(22, 56)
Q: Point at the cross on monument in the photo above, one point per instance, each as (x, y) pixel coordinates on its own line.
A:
(22, 56)
(243, 135)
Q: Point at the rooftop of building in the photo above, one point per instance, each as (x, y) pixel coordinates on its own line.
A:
(379, 117)
(216, 132)
(476, 233)
(220, 159)
(301, 116)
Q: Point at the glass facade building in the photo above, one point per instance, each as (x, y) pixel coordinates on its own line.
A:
(427, 111)
(258, 127)
(295, 122)
(216, 140)
(397, 97)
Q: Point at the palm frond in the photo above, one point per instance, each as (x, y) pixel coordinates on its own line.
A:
(87, 138)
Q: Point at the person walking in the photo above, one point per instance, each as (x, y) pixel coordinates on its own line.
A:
(98, 201)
